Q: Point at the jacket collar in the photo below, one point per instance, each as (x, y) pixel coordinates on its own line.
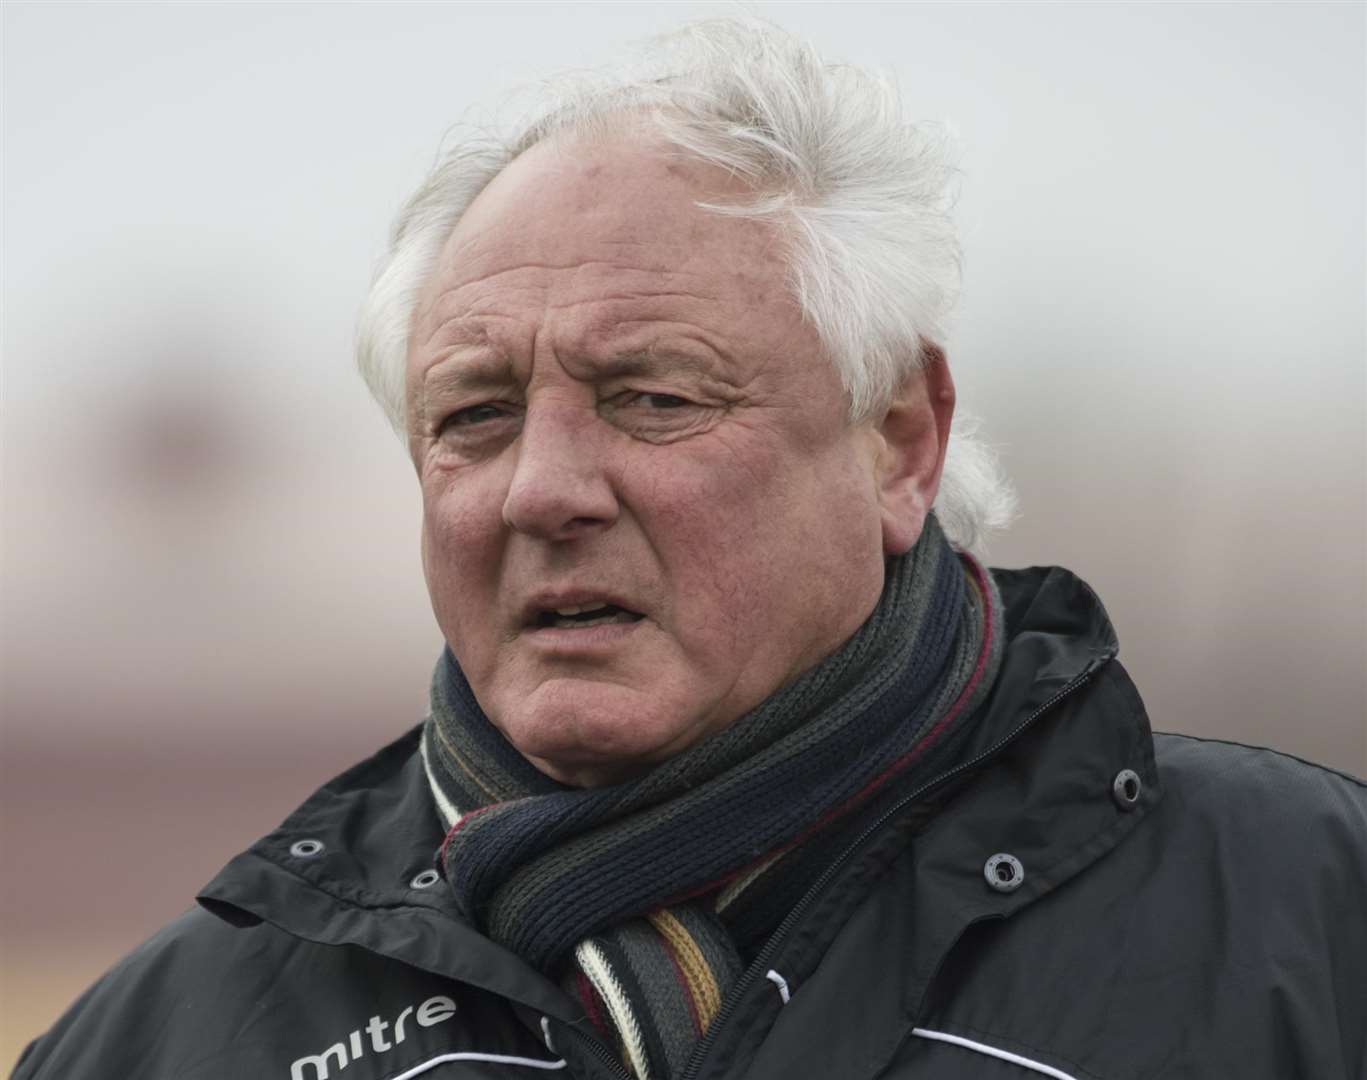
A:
(1037, 779)
(1034, 781)
(379, 829)
(379, 832)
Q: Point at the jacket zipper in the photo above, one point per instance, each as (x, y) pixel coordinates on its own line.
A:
(602, 1053)
(775, 942)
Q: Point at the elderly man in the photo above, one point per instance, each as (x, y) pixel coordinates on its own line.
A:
(738, 764)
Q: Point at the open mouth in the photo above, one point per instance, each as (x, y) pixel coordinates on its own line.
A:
(582, 615)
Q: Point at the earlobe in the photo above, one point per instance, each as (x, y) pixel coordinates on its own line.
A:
(915, 432)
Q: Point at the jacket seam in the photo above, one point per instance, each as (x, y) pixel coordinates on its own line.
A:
(1108, 835)
(1107, 627)
(363, 903)
(1009, 1042)
(449, 1056)
(1120, 679)
(1354, 780)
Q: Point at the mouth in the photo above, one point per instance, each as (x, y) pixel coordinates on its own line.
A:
(582, 616)
(554, 611)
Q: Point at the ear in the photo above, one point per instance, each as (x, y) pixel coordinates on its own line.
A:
(914, 434)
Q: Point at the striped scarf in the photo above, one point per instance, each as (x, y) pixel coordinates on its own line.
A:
(645, 898)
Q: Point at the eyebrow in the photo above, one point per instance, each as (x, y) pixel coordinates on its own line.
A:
(652, 361)
(463, 371)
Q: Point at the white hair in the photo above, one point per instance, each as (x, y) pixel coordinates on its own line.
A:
(861, 197)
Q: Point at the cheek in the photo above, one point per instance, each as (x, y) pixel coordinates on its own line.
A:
(722, 523)
(462, 508)
(459, 534)
(772, 535)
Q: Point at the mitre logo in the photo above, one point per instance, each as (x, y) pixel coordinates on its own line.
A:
(434, 1010)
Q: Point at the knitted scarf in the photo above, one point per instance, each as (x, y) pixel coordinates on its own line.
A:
(645, 898)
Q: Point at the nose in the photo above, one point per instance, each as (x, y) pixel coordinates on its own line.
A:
(560, 489)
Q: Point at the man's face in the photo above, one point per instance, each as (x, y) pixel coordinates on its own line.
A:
(644, 509)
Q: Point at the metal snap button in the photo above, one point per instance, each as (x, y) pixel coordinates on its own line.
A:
(306, 849)
(1004, 872)
(425, 880)
(1126, 788)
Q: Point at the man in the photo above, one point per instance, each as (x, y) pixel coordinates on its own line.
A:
(738, 764)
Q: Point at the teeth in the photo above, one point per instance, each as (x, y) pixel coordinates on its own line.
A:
(580, 615)
(598, 615)
(617, 616)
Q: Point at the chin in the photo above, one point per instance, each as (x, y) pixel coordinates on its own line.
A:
(588, 733)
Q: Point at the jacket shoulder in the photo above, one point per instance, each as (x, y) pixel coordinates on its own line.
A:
(1250, 788)
(1261, 866)
(156, 1010)
(204, 999)
(1269, 824)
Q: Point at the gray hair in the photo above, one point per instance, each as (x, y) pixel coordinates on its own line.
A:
(861, 197)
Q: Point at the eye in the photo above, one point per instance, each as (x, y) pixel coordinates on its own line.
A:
(659, 416)
(651, 401)
(474, 414)
(481, 426)
(663, 401)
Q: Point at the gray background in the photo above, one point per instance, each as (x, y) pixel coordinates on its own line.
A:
(211, 591)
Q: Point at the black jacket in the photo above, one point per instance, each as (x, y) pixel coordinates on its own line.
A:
(1175, 908)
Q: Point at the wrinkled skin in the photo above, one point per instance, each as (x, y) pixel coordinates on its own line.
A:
(612, 398)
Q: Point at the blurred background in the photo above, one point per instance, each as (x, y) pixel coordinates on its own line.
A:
(211, 592)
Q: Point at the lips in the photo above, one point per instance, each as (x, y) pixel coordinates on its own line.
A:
(578, 610)
(587, 616)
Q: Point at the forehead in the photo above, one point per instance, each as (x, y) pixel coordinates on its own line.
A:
(598, 235)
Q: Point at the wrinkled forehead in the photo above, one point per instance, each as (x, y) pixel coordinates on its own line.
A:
(606, 214)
